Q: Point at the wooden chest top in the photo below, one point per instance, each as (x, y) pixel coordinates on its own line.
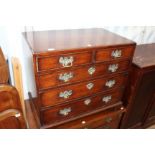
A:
(144, 55)
(45, 42)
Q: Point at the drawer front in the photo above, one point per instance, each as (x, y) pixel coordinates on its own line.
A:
(69, 110)
(100, 120)
(80, 73)
(63, 61)
(114, 54)
(83, 89)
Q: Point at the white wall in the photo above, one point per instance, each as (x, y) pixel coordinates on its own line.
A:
(3, 39)
(140, 34)
(13, 44)
(10, 43)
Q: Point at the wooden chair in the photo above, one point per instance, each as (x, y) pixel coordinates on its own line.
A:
(11, 116)
(4, 72)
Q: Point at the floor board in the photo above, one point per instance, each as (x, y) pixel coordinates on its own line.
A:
(30, 116)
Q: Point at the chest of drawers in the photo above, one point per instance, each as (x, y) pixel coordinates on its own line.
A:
(80, 76)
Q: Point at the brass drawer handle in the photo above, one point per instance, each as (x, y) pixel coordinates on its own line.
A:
(65, 111)
(110, 83)
(113, 68)
(108, 119)
(87, 101)
(66, 94)
(106, 99)
(66, 76)
(66, 61)
(91, 70)
(90, 86)
(116, 53)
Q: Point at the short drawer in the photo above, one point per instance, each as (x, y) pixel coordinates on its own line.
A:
(95, 121)
(114, 54)
(76, 108)
(71, 75)
(83, 89)
(63, 61)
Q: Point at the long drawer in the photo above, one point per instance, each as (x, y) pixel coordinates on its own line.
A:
(69, 75)
(95, 121)
(83, 89)
(76, 108)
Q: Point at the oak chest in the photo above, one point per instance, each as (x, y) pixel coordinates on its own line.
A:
(80, 76)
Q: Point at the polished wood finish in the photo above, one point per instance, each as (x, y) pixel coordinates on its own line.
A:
(12, 119)
(81, 106)
(140, 93)
(52, 97)
(11, 115)
(83, 57)
(106, 54)
(9, 98)
(58, 41)
(51, 79)
(96, 121)
(117, 107)
(47, 63)
(32, 117)
(4, 72)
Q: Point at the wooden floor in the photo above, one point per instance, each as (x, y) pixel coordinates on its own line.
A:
(30, 116)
